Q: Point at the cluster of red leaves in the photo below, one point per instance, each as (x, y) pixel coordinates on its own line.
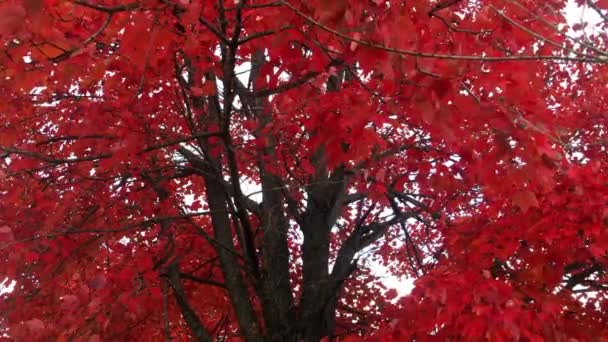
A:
(503, 274)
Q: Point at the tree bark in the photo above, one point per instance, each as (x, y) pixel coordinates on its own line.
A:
(190, 317)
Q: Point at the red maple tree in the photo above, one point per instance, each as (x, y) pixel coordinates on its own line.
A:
(240, 170)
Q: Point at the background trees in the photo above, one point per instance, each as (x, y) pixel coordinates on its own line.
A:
(236, 170)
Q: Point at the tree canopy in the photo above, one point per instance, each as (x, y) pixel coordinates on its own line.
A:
(255, 169)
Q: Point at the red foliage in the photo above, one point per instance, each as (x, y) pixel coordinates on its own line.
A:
(458, 143)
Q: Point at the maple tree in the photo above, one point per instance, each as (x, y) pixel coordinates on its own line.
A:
(237, 170)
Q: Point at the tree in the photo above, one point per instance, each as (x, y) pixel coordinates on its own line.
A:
(237, 170)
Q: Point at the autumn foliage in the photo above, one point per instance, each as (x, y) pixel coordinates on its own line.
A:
(256, 170)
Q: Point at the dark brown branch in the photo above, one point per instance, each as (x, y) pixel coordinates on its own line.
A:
(189, 315)
(166, 324)
(110, 10)
(127, 227)
(287, 86)
(360, 238)
(86, 42)
(456, 28)
(181, 140)
(442, 5)
(50, 159)
(199, 168)
(73, 137)
(597, 10)
(202, 280)
(262, 34)
(275, 289)
(219, 195)
(323, 208)
(578, 278)
(213, 29)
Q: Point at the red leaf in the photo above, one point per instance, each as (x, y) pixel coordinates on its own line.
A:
(603, 4)
(69, 302)
(6, 234)
(35, 325)
(99, 282)
(12, 15)
(524, 200)
(136, 41)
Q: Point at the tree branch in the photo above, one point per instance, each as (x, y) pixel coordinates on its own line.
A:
(189, 315)
(110, 10)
